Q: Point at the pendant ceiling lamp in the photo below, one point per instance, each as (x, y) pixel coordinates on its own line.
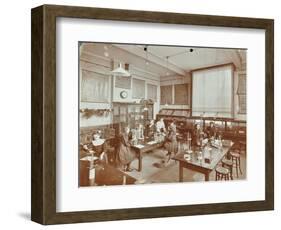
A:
(167, 59)
(119, 71)
(146, 55)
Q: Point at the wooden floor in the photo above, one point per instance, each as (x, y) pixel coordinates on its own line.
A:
(154, 171)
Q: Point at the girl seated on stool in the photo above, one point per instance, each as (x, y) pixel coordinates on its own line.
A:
(98, 146)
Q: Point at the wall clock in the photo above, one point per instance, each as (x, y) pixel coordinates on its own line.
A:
(123, 94)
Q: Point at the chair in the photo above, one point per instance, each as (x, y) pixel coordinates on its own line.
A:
(222, 173)
(236, 160)
(229, 165)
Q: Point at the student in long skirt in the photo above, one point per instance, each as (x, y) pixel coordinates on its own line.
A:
(125, 154)
(197, 135)
(171, 143)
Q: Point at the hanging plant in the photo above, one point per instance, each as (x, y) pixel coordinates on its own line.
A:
(87, 113)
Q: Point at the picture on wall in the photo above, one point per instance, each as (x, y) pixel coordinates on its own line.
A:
(130, 108)
(161, 114)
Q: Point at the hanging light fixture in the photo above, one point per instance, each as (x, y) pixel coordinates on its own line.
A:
(167, 59)
(119, 71)
(146, 55)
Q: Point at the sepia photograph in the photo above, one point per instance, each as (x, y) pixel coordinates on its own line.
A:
(161, 114)
(148, 114)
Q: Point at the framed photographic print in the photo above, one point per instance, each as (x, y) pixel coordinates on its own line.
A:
(140, 114)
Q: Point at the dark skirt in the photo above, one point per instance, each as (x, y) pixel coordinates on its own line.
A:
(125, 154)
(171, 146)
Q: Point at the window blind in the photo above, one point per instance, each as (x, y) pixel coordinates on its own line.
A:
(212, 92)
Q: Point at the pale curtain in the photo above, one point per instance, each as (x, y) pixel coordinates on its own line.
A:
(212, 92)
(138, 89)
(94, 87)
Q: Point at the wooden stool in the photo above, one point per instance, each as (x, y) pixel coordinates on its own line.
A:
(228, 164)
(242, 147)
(235, 158)
(222, 173)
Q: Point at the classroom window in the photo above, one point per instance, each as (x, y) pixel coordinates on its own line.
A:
(212, 92)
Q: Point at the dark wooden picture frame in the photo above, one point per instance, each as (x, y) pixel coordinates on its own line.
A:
(43, 205)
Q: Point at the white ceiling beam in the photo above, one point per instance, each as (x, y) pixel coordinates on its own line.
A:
(116, 54)
(89, 57)
(152, 58)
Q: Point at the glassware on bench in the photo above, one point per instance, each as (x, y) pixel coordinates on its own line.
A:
(200, 156)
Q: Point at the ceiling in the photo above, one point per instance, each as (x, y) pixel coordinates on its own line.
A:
(167, 60)
(189, 58)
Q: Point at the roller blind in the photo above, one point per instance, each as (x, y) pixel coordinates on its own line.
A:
(152, 92)
(138, 88)
(212, 92)
(94, 87)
